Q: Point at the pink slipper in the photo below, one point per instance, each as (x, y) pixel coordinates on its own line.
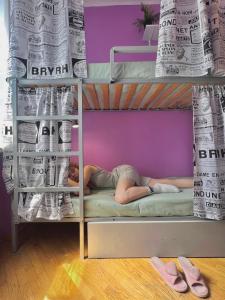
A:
(194, 278)
(170, 274)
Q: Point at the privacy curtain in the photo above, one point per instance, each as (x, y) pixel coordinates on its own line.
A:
(46, 41)
(209, 146)
(42, 136)
(191, 38)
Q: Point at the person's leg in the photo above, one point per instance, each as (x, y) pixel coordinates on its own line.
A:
(126, 191)
(178, 182)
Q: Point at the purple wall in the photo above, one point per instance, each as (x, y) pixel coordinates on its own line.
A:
(114, 138)
(151, 141)
(111, 26)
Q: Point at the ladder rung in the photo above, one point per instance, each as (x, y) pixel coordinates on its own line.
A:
(44, 154)
(48, 118)
(47, 189)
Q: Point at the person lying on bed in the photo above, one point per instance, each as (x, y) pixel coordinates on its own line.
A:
(125, 179)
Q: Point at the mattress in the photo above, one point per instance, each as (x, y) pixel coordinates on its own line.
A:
(140, 69)
(101, 203)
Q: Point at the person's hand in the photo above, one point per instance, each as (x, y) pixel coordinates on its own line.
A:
(72, 183)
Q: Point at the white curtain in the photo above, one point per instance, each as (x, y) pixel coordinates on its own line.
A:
(46, 41)
(209, 145)
(42, 136)
(191, 38)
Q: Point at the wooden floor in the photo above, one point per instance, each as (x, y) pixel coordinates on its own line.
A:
(48, 267)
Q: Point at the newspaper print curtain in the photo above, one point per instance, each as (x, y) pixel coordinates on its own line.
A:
(42, 136)
(191, 38)
(209, 146)
(46, 41)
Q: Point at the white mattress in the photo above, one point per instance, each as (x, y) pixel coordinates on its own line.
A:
(101, 203)
(139, 69)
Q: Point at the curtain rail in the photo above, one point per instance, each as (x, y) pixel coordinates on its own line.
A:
(47, 82)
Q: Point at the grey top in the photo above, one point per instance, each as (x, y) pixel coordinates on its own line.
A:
(102, 179)
(105, 179)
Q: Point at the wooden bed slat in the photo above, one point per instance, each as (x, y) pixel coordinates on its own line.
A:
(123, 95)
(85, 102)
(185, 101)
(155, 95)
(118, 90)
(111, 96)
(136, 96)
(130, 94)
(105, 90)
(100, 96)
(91, 90)
(148, 96)
(174, 100)
(87, 98)
(145, 88)
(166, 93)
(171, 97)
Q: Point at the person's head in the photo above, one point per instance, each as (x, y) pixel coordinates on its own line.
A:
(74, 171)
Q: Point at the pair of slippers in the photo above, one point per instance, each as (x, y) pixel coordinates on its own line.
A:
(174, 278)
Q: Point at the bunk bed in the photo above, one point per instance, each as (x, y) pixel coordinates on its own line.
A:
(142, 228)
(161, 225)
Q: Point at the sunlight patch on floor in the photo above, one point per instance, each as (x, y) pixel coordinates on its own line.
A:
(66, 282)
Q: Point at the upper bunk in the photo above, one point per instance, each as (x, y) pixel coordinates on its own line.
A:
(117, 86)
(133, 86)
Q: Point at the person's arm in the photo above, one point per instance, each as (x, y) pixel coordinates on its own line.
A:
(72, 182)
(88, 171)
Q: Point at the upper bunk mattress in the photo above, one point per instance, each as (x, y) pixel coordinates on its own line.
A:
(101, 203)
(140, 69)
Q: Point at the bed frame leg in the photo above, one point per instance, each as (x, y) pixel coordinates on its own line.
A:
(82, 255)
(14, 236)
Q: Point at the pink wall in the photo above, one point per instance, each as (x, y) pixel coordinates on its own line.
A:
(151, 141)
(111, 26)
(113, 138)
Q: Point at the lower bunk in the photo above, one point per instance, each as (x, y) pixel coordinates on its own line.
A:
(158, 225)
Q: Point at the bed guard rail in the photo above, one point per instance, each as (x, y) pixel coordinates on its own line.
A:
(127, 50)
